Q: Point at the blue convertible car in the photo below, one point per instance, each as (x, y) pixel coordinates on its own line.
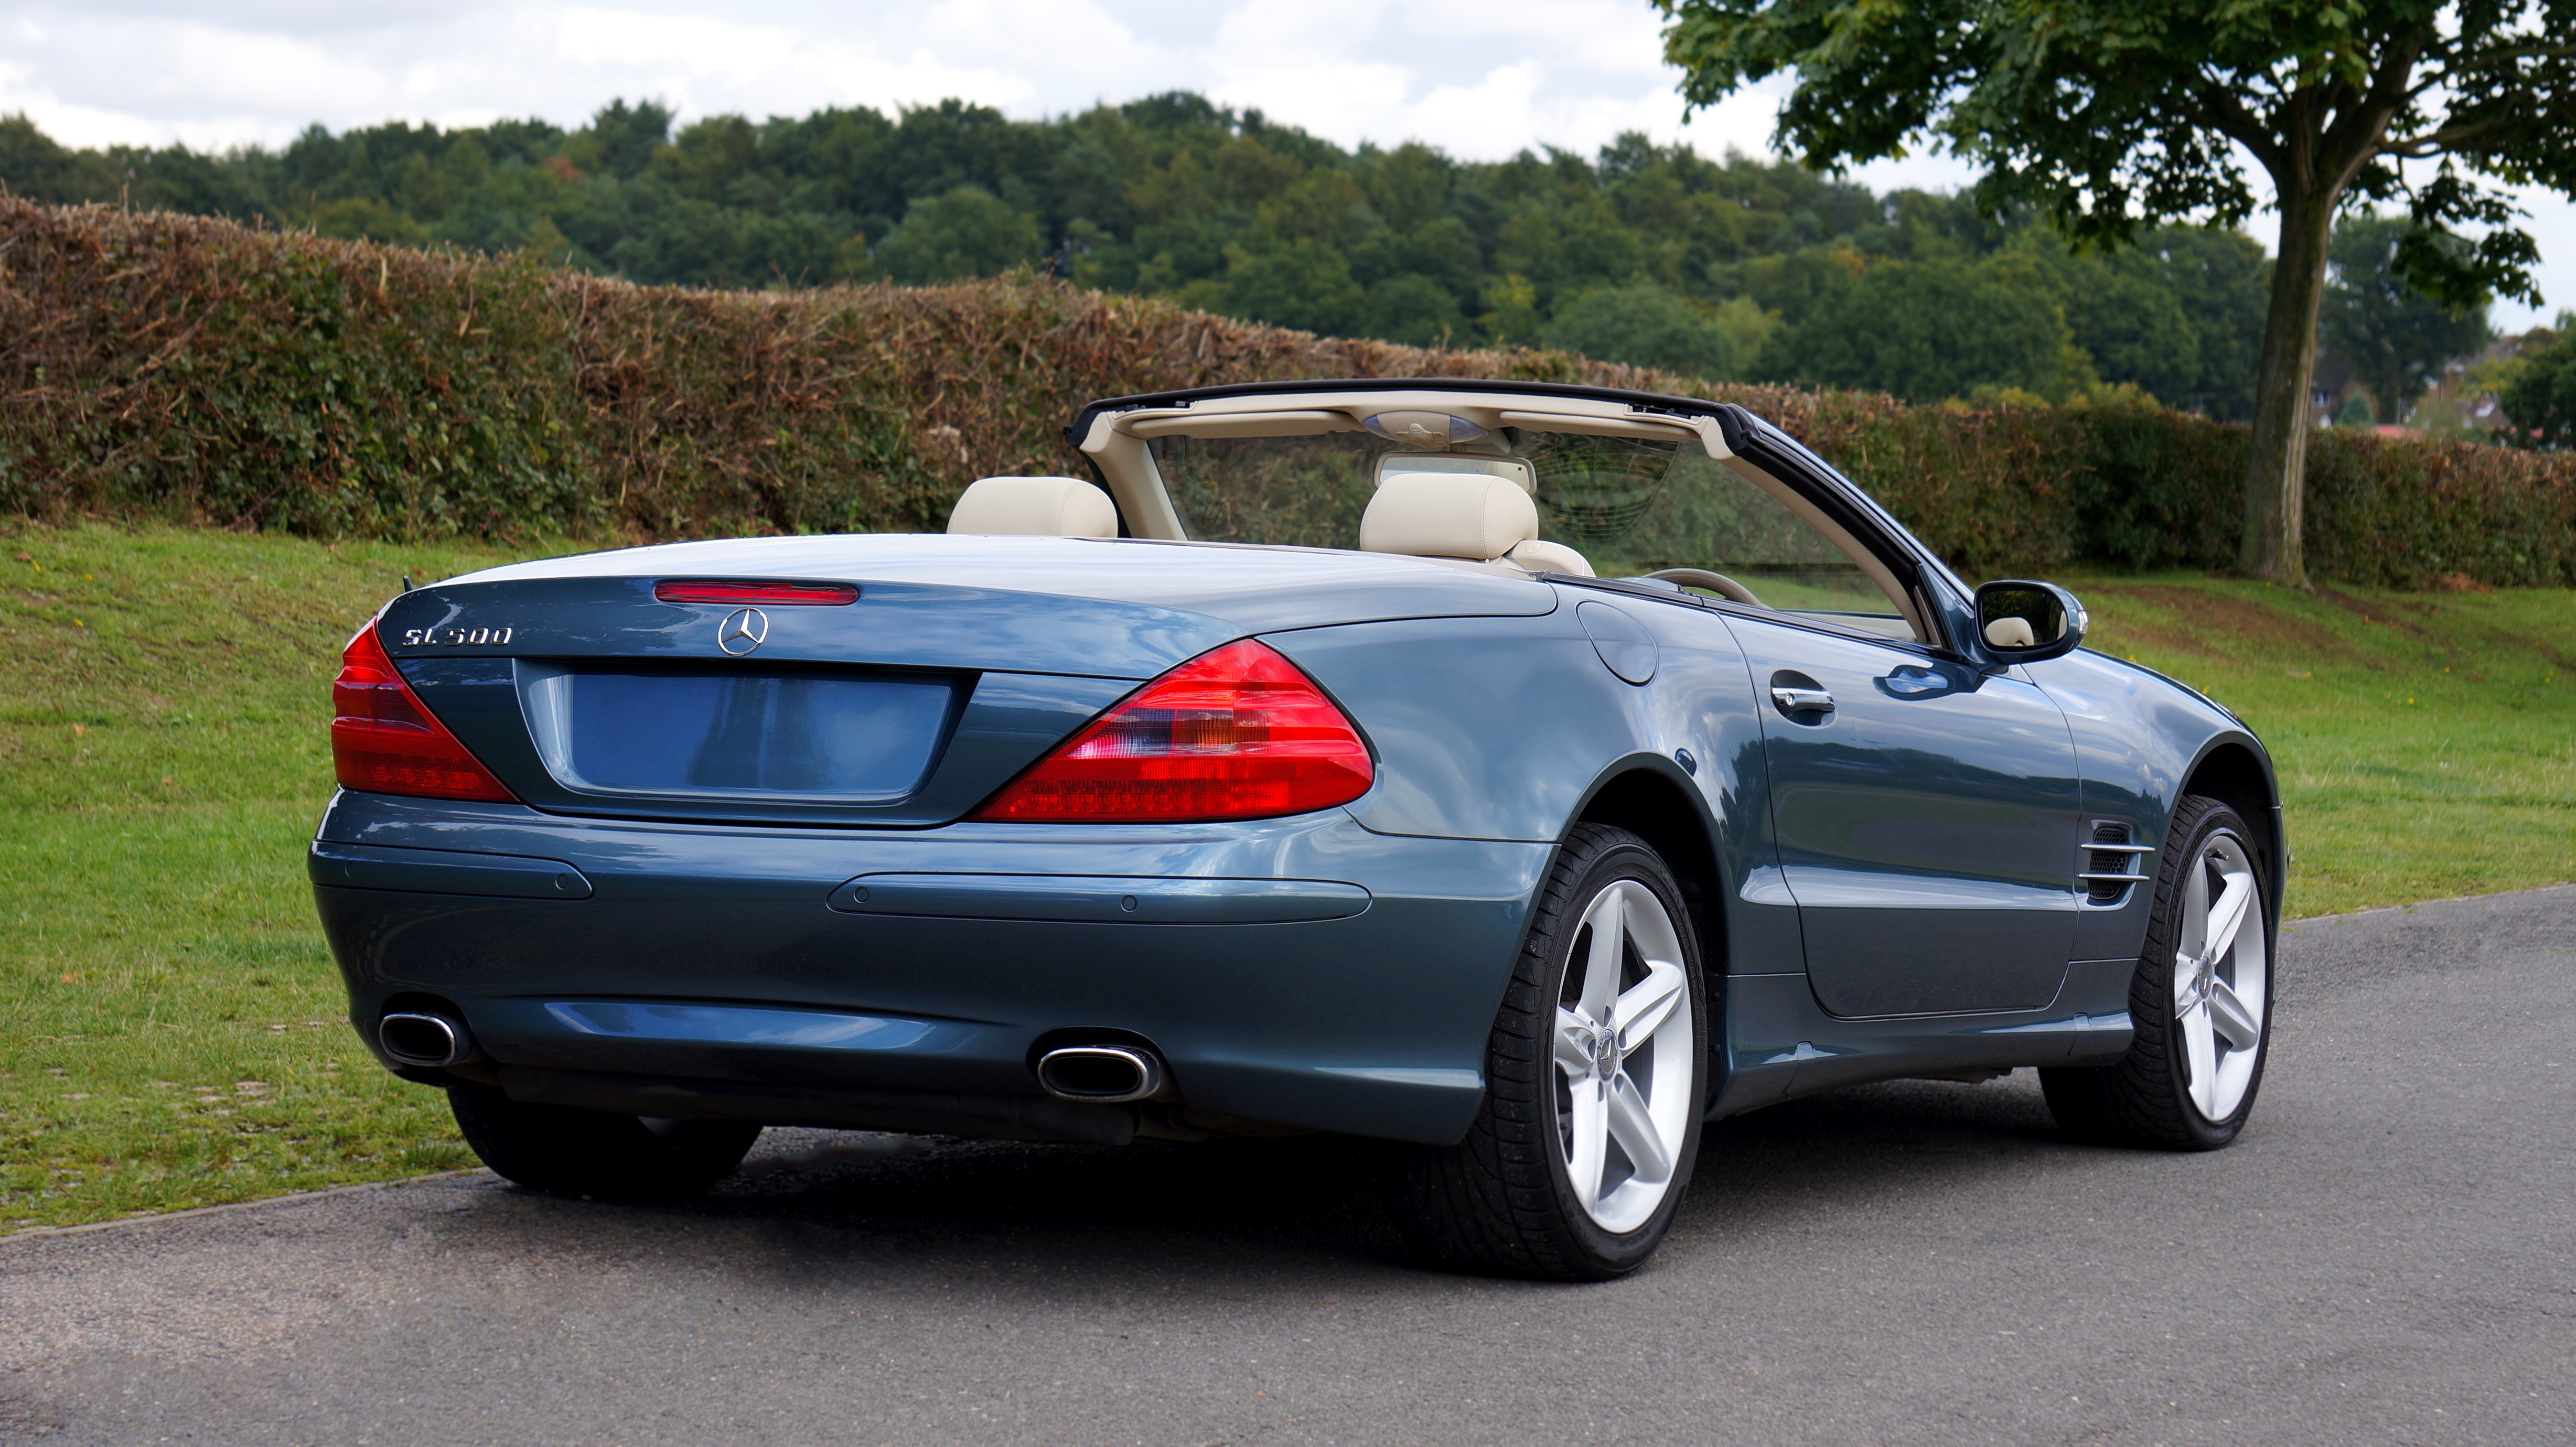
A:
(1519, 774)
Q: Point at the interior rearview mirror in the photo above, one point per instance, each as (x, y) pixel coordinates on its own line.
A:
(2020, 621)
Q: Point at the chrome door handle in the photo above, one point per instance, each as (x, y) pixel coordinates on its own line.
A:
(1803, 700)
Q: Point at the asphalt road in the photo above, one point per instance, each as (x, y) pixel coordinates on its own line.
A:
(2388, 1255)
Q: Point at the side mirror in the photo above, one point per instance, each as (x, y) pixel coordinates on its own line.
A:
(2025, 622)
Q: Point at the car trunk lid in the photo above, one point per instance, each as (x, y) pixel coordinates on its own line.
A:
(929, 680)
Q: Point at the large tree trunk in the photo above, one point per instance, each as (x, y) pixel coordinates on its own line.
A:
(2276, 472)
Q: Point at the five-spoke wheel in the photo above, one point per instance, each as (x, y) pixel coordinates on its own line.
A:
(2201, 1003)
(2220, 976)
(1625, 1056)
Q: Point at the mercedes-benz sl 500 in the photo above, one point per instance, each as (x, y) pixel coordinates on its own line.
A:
(1521, 775)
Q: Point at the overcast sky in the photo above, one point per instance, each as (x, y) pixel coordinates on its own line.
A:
(1477, 78)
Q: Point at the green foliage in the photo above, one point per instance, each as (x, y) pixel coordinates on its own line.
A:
(2395, 336)
(2355, 412)
(2109, 117)
(1303, 283)
(967, 233)
(1940, 328)
(196, 370)
(1220, 210)
(293, 385)
(1646, 324)
(2541, 396)
(1415, 310)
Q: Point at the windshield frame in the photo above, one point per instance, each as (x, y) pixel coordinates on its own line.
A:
(1926, 593)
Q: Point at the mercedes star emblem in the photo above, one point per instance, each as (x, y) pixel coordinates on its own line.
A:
(742, 631)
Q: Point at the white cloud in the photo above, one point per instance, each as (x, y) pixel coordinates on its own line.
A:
(1496, 115)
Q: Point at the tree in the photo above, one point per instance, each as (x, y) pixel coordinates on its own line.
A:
(1926, 330)
(1414, 309)
(2540, 401)
(1168, 196)
(1303, 283)
(2394, 336)
(2109, 115)
(966, 233)
(1646, 325)
(33, 166)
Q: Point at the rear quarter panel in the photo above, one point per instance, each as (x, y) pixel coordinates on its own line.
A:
(1505, 728)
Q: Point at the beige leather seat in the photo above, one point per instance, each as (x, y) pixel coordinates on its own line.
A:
(1041, 507)
(1475, 516)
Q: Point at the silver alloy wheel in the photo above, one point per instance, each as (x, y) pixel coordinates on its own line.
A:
(1625, 1053)
(2220, 977)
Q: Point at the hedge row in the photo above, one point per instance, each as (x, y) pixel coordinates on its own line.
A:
(176, 367)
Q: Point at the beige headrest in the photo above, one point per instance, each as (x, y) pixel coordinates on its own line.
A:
(1548, 557)
(1038, 507)
(2011, 633)
(1447, 515)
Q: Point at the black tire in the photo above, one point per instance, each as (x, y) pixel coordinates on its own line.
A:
(575, 1152)
(1501, 1201)
(2145, 1100)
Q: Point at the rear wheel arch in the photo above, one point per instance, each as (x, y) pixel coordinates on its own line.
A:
(1659, 806)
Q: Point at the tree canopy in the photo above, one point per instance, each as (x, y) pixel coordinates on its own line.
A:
(2540, 394)
(1728, 267)
(2111, 117)
(2395, 336)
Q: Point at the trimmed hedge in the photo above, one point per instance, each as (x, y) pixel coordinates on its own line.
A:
(177, 367)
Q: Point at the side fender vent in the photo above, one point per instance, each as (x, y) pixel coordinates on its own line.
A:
(2108, 866)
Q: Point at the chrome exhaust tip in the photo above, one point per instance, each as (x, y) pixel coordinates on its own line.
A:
(419, 1038)
(1101, 1074)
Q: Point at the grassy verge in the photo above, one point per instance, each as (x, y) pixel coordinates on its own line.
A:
(171, 1029)
(2425, 743)
(170, 1025)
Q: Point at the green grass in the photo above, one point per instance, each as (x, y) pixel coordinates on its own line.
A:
(2425, 743)
(171, 1031)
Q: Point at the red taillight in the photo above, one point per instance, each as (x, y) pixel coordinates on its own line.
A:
(384, 741)
(1234, 734)
(767, 595)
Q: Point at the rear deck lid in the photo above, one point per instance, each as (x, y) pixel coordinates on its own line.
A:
(883, 680)
(906, 706)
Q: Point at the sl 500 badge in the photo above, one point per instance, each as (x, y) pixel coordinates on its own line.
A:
(465, 637)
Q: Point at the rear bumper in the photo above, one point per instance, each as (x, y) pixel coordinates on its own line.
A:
(1302, 971)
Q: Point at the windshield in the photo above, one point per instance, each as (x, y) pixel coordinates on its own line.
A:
(1631, 506)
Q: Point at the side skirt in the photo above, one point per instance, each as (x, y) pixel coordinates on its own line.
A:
(1781, 1044)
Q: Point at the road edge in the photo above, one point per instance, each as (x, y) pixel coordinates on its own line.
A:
(256, 1203)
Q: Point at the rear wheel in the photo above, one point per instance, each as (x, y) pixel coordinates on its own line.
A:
(576, 1152)
(1594, 1084)
(2201, 1002)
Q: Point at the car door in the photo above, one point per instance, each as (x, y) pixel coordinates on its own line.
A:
(1926, 816)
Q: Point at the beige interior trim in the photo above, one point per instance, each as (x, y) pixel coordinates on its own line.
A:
(1600, 426)
(1127, 465)
(1303, 423)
